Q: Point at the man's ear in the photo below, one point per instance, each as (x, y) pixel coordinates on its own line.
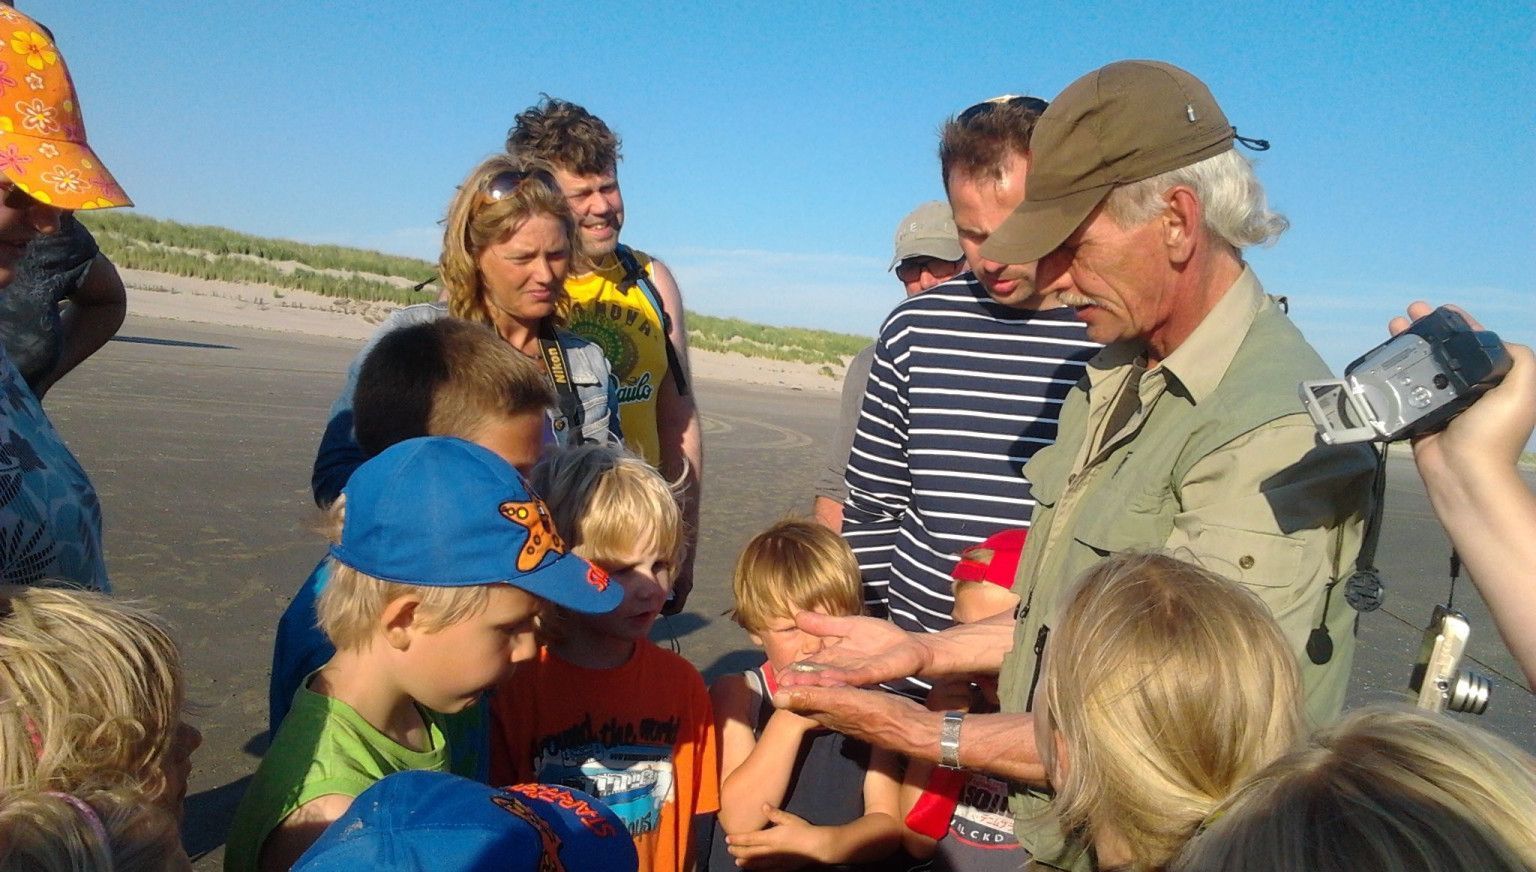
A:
(1181, 224)
(401, 620)
(756, 639)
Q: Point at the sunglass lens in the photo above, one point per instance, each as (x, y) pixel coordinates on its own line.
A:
(502, 185)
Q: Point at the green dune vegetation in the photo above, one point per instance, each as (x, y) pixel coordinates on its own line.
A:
(140, 242)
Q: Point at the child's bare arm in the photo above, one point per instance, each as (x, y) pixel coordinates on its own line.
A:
(791, 842)
(732, 702)
(763, 769)
(912, 785)
(291, 838)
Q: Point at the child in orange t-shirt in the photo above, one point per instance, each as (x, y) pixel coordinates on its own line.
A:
(602, 709)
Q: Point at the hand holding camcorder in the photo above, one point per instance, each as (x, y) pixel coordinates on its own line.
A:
(1412, 384)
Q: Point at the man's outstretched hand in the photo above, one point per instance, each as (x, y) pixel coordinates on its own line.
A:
(882, 719)
(859, 651)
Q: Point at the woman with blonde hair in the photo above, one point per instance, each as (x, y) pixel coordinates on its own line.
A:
(1163, 687)
(1384, 788)
(509, 240)
(91, 693)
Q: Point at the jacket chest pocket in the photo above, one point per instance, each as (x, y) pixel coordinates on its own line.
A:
(1124, 510)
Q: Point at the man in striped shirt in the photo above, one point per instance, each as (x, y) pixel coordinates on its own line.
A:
(967, 383)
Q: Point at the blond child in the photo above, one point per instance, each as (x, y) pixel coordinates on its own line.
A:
(88, 831)
(1385, 788)
(602, 708)
(1162, 688)
(959, 818)
(443, 560)
(93, 692)
(794, 795)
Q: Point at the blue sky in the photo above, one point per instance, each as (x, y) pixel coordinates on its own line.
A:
(771, 149)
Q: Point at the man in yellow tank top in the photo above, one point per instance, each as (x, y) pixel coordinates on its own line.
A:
(612, 307)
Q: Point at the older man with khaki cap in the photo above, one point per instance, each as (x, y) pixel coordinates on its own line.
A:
(1186, 434)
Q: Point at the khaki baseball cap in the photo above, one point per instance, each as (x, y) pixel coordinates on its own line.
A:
(929, 231)
(1121, 123)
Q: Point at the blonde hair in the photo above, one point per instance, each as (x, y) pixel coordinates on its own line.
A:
(46, 832)
(794, 565)
(91, 691)
(1168, 685)
(471, 226)
(606, 501)
(1384, 788)
(352, 602)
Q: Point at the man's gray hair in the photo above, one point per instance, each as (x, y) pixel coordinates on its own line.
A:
(1233, 198)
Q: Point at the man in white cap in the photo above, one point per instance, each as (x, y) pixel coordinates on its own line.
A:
(927, 252)
(966, 385)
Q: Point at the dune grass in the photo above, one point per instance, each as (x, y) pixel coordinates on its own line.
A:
(216, 253)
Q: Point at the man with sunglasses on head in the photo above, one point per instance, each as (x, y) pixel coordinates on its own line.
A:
(1187, 434)
(624, 301)
(927, 252)
(966, 384)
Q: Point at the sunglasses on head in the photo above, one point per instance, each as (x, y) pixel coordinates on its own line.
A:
(505, 183)
(986, 107)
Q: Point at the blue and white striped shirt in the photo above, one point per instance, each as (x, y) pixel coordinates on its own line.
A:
(962, 392)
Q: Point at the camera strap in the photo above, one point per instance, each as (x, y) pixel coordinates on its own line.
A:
(571, 413)
(1363, 589)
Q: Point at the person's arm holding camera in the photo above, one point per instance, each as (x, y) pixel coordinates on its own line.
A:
(1471, 472)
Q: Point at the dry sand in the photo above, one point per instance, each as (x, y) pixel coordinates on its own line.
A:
(263, 307)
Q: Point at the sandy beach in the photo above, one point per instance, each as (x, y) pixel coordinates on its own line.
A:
(263, 307)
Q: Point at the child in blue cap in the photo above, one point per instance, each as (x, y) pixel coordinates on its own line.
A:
(443, 561)
(432, 820)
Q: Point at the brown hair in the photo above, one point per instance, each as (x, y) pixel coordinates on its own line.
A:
(1168, 685)
(792, 566)
(472, 225)
(979, 141)
(562, 134)
(444, 378)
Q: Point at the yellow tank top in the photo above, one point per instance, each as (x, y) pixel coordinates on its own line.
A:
(621, 322)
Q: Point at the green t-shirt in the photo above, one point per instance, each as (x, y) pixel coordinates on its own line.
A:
(323, 747)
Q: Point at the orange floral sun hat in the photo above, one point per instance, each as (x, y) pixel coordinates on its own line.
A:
(42, 135)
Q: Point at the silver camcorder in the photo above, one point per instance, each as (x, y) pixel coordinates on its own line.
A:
(1414, 383)
(1437, 676)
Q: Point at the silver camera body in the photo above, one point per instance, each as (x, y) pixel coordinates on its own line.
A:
(1437, 677)
(1414, 383)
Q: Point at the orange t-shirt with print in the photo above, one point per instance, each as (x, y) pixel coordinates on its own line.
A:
(640, 737)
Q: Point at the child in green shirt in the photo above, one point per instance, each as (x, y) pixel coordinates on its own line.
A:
(443, 560)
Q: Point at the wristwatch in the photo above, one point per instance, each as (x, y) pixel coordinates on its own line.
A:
(949, 740)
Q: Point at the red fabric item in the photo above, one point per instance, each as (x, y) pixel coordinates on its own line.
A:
(993, 560)
(931, 814)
